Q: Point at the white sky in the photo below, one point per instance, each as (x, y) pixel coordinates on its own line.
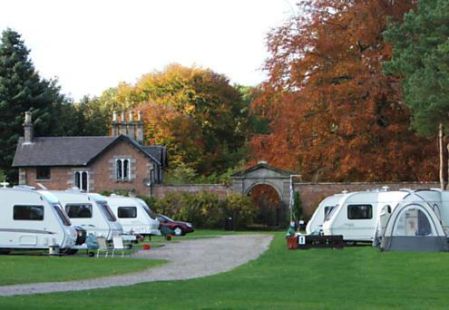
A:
(91, 45)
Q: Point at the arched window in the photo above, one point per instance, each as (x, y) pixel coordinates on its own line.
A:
(123, 169)
(118, 167)
(126, 169)
(82, 180)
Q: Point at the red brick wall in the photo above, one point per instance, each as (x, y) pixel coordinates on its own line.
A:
(59, 178)
(160, 191)
(101, 173)
(104, 174)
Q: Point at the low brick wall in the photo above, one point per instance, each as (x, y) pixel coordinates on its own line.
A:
(159, 191)
(311, 193)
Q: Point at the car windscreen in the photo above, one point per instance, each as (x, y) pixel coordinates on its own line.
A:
(107, 211)
(62, 215)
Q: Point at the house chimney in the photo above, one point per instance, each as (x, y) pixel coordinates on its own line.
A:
(139, 128)
(28, 128)
(115, 125)
(131, 126)
(122, 125)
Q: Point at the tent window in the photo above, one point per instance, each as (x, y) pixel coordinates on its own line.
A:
(360, 212)
(413, 222)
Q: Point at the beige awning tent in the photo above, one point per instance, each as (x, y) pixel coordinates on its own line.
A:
(414, 225)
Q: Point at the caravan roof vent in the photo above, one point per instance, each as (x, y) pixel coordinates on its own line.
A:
(385, 188)
(344, 191)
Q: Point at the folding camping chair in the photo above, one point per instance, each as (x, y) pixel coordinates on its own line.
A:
(102, 246)
(117, 241)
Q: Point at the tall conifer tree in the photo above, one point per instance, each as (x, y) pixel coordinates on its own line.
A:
(21, 89)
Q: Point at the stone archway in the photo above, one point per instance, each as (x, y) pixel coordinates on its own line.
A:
(263, 174)
(268, 201)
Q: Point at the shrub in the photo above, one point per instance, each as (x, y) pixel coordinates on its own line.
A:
(207, 210)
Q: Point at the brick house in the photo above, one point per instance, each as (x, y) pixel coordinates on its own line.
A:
(93, 164)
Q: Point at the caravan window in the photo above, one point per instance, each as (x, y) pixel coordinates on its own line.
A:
(79, 210)
(107, 212)
(327, 212)
(150, 212)
(360, 212)
(65, 220)
(29, 213)
(127, 212)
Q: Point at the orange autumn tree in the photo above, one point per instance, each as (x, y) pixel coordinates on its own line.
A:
(197, 114)
(333, 114)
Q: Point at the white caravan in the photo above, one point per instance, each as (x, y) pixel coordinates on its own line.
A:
(90, 212)
(33, 220)
(323, 212)
(135, 217)
(358, 214)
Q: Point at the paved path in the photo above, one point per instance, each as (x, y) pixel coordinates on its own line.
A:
(187, 259)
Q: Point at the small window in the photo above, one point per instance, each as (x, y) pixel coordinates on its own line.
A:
(327, 212)
(28, 213)
(82, 180)
(127, 212)
(43, 173)
(360, 212)
(123, 169)
(79, 211)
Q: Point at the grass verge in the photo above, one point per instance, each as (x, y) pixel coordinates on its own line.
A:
(352, 278)
(17, 269)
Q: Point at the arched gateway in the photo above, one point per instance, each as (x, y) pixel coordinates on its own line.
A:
(263, 174)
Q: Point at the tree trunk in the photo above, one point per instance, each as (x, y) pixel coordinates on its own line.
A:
(440, 147)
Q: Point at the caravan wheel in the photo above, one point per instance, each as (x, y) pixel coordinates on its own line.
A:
(69, 251)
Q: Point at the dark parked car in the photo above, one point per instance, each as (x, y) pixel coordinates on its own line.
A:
(178, 228)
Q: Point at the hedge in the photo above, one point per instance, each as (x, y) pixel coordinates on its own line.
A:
(207, 210)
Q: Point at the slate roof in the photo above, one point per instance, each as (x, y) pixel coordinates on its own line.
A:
(159, 152)
(67, 151)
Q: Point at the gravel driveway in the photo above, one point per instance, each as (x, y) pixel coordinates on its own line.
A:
(187, 259)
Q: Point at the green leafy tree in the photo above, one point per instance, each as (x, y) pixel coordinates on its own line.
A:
(94, 119)
(421, 60)
(21, 89)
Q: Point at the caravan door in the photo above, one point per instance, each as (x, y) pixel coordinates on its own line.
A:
(360, 221)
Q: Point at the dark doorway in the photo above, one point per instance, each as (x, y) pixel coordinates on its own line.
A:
(266, 198)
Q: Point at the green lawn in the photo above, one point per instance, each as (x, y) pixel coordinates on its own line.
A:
(29, 269)
(352, 278)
